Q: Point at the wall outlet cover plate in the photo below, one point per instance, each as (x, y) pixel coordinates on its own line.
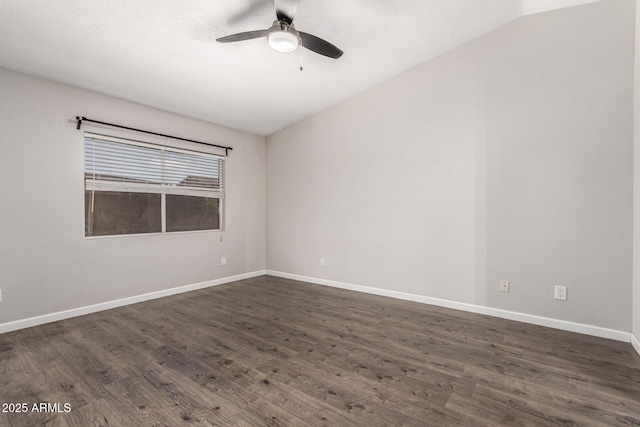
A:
(504, 285)
(561, 293)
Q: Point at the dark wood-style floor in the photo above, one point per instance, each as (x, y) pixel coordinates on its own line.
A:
(270, 351)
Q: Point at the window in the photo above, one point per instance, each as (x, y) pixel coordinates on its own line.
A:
(135, 188)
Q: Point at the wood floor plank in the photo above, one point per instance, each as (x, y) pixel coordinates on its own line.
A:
(345, 389)
(278, 352)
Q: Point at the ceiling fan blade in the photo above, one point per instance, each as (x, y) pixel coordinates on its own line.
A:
(254, 8)
(317, 45)
(248, 35)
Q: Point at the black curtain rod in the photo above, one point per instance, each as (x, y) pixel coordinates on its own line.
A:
(84, 119)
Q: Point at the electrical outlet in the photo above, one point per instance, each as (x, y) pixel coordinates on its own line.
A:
(223, 260)
(321, 262)
(504, 286)
(561, 293)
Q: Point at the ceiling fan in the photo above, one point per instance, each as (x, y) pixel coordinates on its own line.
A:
(283, 37)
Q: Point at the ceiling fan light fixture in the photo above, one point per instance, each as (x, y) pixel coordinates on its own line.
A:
(284, 39)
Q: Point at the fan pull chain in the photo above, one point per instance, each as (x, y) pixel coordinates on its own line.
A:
(300, 58)
(266, 44)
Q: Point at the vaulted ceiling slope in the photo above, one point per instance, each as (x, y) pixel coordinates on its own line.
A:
(163, 53)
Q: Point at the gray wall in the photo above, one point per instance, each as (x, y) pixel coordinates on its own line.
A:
(636, 193)
(46, 264)
(507, 158)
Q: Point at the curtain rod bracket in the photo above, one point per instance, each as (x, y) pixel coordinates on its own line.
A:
(81, 119)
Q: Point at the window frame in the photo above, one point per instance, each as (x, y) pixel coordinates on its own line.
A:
(155, 188)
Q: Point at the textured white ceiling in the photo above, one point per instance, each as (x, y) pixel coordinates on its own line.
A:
(163, 53)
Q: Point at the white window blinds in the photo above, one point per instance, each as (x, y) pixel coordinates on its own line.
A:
(111, 164)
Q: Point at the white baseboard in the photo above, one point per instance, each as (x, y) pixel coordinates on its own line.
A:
(636, 343)
(74, 312)
(503, 314)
